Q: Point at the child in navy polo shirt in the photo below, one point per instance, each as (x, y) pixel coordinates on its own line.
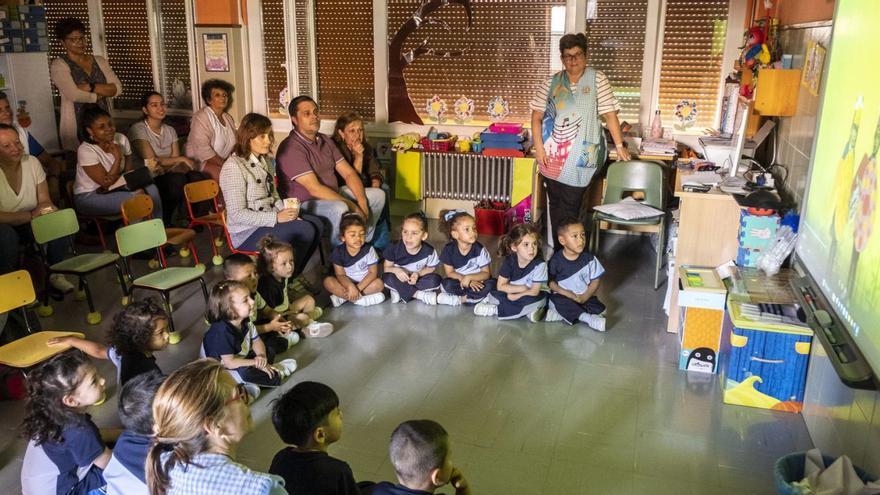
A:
(465, 262)
(522, 274)
(232, 339)
(355, 266)
(125, 471)
(410, 263)
(574, 279)
(65, 452)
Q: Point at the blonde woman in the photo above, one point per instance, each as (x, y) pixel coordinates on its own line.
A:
(200, 416)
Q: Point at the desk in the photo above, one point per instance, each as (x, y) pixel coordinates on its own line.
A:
(708, 230)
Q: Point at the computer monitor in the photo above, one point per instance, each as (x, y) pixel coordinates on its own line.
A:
(739, 138)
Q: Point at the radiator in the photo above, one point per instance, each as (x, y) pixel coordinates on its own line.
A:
(466, 177)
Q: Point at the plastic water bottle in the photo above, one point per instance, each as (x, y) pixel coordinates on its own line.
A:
(781, 246)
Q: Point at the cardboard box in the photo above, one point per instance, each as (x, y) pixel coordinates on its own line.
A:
(764, 365)
(755, 234)
(701, 300)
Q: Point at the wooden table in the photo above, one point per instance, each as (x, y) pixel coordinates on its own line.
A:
(708, 232)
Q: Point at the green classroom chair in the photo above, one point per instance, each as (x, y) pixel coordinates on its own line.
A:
(63, 223)
(150, 234)
(624, 178)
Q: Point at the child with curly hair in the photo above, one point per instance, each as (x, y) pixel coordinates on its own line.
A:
(465, 262)
(65, 452)
(137, 332)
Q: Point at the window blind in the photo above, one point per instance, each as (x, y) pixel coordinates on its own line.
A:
(303, 48)
(693, 51)
(344, 38)
(174, 61)
(506, 53)
(274, 57)
(616, 46)
(62, 9)
(128, 49)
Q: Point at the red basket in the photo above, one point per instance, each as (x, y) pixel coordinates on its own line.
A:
(490, 222)
(441, 145)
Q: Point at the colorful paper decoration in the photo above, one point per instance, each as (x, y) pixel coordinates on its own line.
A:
(464, 109)
(686, 112)
(436, 108)
(498, 108)
(283, 100)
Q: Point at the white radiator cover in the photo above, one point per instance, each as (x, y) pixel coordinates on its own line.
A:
(466, 177)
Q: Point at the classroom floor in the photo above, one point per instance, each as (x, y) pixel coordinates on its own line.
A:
(531, 408)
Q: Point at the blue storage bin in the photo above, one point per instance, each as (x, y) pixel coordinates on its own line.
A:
(790, 468)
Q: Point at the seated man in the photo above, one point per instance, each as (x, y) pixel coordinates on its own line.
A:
(308, 162)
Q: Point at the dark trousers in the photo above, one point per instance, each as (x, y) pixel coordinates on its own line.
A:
(452, 286)
(564, 201)
(11, 239)
(257, 376)
(304, 235)
(406, 291)
(170, 186)
(571, 311)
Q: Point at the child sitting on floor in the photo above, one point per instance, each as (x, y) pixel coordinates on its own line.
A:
(275, 267)
(420, 455)
(65, 452)
(137, 332)
(232, 339)
(574, 279)
(308, 420)
(519, 280)
(355, 266)
(125, 471)
(410, 263)
(465, 262)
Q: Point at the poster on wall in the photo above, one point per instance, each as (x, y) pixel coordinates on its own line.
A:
(813, 64)
(216, 52)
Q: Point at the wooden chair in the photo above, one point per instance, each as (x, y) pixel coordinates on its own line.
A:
(206, 190)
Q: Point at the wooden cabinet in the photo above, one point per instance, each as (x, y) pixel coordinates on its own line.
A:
(777, 92)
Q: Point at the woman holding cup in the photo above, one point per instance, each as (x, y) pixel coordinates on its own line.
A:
(253, 207)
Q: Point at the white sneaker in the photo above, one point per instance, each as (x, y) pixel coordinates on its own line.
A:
(286, 367)
(292, 339)
(596, 322)
(336, 300)
(317, 330)
(485, 309)
(371, 299)
(427, 297)
(253, 390)
(395, 297)
(449, 299)
(535, 316)
(60, 283)
(552, 315)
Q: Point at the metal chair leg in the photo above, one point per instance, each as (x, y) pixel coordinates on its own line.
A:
(84, 284)
(167, 301)
(122, 284)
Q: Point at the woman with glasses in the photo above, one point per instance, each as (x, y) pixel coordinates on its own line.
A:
(253, 207)
(80, 78)
(200, 416)
(569, 141)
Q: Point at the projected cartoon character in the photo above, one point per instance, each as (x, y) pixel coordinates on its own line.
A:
(862, 205)
(767, 369)
(841, 190)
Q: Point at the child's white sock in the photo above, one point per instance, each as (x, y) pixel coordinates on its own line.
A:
(371, 299)
(427, 297)
(596, 322)
(336, 300)
(449, 299)
(292, 339)
(486, 309)
(395, 297)
(552, 315)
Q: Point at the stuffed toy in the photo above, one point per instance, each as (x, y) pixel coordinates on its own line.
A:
(754, 55)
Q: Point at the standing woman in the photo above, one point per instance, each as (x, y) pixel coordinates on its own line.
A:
(212, 132)
(200, 416)
(153, 140)
(100, 161)
(80, 78)
(569, 142)
(253, 207)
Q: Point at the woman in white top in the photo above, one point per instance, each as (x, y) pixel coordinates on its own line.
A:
(100, 162)
(155, 141)
(212, 131)
(81, 78)
(24, 195)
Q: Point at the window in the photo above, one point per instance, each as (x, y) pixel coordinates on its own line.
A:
(275, 58)
(127, 38)
(55, 11)
(175, 80)
(616, 46)
(504, 52)
(693, 52)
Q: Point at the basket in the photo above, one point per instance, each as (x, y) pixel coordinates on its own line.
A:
(790, 468)
(490, 222)
(442, 145)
